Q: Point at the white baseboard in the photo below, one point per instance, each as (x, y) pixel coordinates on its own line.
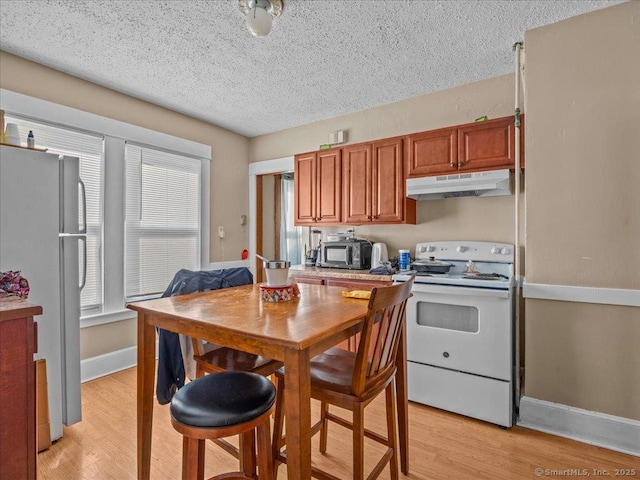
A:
(608, 431)
(112, 362)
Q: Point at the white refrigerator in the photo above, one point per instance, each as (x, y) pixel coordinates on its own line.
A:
(43, 234)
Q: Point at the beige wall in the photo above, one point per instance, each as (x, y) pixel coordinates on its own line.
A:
(584, 355)
(583, 149)
(488, 219)
(583, 207)
(229, 166)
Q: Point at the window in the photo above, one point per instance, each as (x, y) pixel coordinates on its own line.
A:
(291, 242)
(162, 224)
(89, 148)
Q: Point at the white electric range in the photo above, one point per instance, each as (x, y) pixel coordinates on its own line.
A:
(460, 330)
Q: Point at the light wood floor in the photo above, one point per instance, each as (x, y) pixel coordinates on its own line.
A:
(443, 445)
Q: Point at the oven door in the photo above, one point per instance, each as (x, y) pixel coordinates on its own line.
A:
(461, 328)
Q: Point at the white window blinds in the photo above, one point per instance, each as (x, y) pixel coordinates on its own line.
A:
(162, 224)
(89, 148)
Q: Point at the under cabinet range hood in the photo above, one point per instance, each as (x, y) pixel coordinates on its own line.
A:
(479, 184)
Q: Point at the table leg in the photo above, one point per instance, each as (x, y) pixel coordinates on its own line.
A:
(146, 369)
(297, 408)
(402, 401)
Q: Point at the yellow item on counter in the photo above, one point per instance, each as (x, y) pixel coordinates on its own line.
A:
(364, 294)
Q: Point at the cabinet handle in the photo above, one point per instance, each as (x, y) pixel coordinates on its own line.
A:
(376, 216)
(453, 164)
(369, 217)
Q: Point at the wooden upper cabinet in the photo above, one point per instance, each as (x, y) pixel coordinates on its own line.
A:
(432, 152)
(317, 183)
(373, 183)
(305, 188)
(474, 147)
(357, 181)
(388, 196)
(487, 145)
(329, 194)
(365, 183)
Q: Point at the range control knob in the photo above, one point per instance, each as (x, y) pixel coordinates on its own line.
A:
(431, 248)
(505, 251)
(461, 249)
(496, 250)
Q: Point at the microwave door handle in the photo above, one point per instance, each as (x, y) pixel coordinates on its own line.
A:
(349, 255)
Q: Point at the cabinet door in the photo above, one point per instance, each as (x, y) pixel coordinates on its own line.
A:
(388, 181)
(487, 145)
(18, 398)
(432, 153)
(305, 188)
(328, 191)
(357, 183)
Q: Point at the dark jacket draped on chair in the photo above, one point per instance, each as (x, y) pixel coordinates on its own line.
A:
(171, 370)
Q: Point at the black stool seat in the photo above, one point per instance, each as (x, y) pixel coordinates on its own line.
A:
(223, 399)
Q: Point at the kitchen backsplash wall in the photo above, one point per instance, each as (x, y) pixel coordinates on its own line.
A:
(488, 219)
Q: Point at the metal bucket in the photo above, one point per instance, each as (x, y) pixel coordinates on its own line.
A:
(277, 272)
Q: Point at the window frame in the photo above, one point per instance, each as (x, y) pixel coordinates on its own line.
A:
(147, 230)
(115, 134)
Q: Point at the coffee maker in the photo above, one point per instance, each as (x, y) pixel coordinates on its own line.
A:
(313, 255)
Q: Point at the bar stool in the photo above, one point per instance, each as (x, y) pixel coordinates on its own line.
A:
(222, 359)
(221, 405)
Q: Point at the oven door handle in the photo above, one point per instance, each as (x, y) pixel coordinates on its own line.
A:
(459, 291)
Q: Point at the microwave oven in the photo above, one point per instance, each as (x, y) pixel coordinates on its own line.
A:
(351, 254)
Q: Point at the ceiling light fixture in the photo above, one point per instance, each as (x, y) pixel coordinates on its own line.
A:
(260, 14)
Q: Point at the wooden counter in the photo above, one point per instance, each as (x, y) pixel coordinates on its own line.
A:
(18, 343)
(15, 307)
(337, 276)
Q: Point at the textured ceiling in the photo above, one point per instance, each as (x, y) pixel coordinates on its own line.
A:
(323, 58)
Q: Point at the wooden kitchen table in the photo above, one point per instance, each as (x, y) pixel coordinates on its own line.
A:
(292, 332)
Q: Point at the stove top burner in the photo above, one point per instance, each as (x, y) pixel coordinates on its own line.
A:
(487, 266)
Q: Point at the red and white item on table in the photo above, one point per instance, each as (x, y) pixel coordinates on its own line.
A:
(282, 293)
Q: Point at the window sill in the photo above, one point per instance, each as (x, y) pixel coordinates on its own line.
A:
(103, 318)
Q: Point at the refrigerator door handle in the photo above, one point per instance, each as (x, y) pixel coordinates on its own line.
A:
(81, 237)
(83, 190)
(83, 279)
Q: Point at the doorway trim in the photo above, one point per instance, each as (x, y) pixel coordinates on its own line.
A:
(266, 167)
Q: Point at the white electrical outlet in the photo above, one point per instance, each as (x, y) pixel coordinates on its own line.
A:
(221, 232)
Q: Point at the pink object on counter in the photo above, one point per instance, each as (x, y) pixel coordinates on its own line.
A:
(12, 283)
